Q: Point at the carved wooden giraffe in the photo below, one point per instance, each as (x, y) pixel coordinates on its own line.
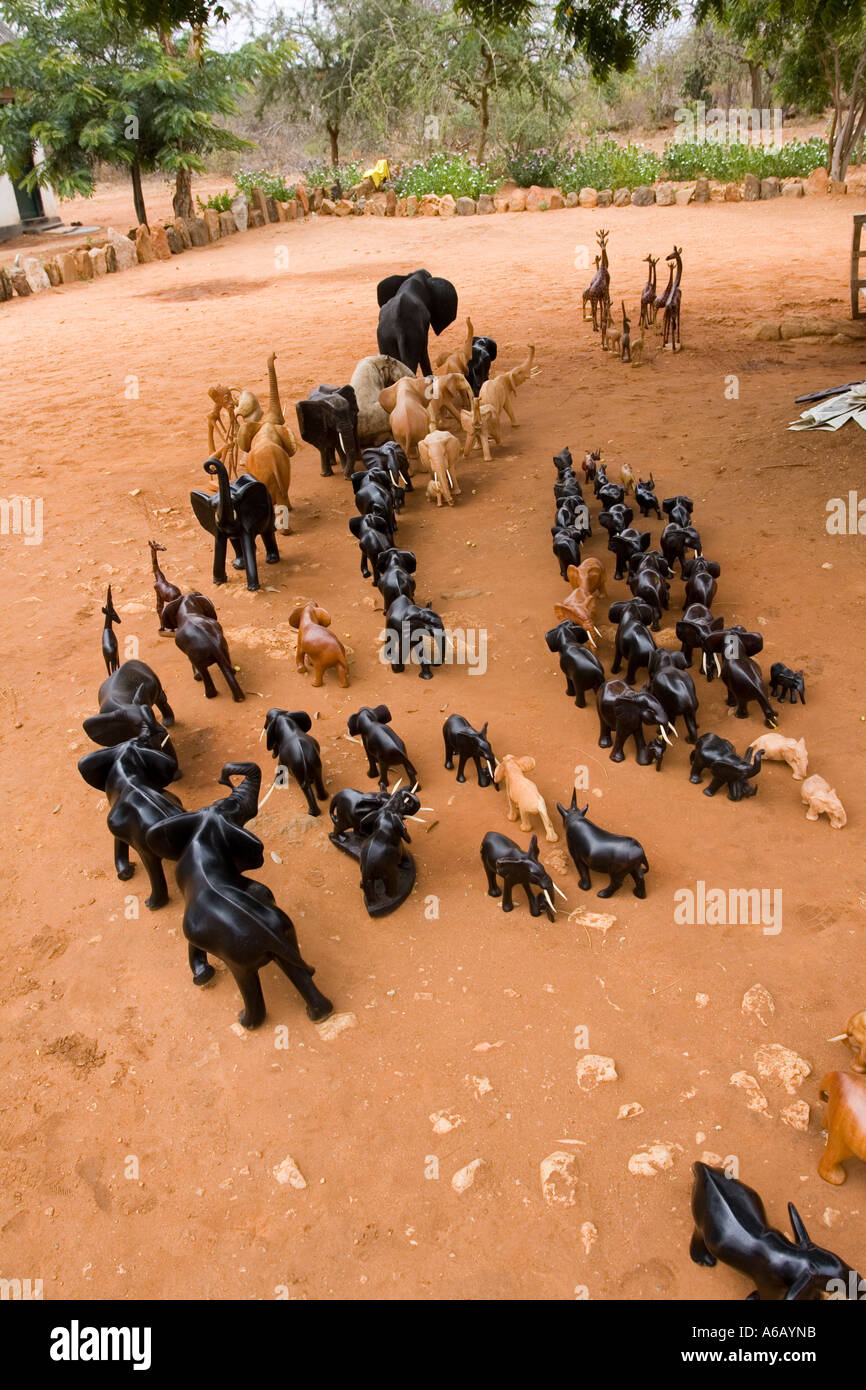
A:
(598, 290)
(672, 307)
(648, 297)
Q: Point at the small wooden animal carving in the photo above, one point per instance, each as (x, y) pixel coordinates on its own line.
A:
(522, 796)
(165, 591)
(499, 391)
(317, 645)
(109, 640)
(845, 1122)
(648, 296)
(777, 748)
(821, 799)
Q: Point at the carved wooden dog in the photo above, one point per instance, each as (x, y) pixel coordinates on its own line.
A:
(523, 799)
(317, 645)
(845, 1121)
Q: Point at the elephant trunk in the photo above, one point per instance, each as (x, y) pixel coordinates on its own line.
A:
(755, 764)
(275, 409)
(242, 803)
(225, 512)
(521, 373)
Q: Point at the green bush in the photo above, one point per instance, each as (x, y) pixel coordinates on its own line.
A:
(220, 202)
(686, 159)
(607, 164)
(318, 175)
(272, 185)
(445, 173)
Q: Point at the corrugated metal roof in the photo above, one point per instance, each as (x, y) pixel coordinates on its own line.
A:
(6, 34)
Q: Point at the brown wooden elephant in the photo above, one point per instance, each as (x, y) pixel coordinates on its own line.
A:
(845, 1119)
(269, 445)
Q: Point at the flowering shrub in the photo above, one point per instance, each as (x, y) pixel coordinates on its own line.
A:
(528, 167)
(272, 185)
(728, 162)
(318, 175)
(445, 173)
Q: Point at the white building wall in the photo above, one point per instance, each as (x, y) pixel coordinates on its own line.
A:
(9, 216)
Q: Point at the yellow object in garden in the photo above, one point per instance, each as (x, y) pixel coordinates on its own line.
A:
(379, 173)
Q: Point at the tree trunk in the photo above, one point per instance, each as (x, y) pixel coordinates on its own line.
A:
(756, 85)
(334, 137)
(137, 195)
(484, 113)
(182, 200)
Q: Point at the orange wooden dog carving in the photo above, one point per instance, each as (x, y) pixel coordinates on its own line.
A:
(846, 1124)
(316, 644)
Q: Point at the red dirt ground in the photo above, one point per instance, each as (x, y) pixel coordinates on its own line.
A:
(109, 1052)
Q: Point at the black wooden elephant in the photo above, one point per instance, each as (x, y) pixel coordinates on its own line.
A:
(674, 687)
(349, 809)
(374, 536)
(467, 744)
(693, 629)
(784, 681)
(125, 700)
(384, 748)
(634, 642)
(228, 915)
(593, 848)
(387, 869)
(238, 513)
(133, 776)
(409, 306)
(414, 634)
(700, 575)
(328, 419)
(392, 457)
(727, 768)
(615, 519)
(581, 667)
(651, 588)
(678, 509)
(504, 859)
(644, 496)
(626, 546)
(396, 570)
(612, 495)
(675, 540)
(625, 711)
(742, 676)
(374, 490)
(288, 738)
(484, 351)
(566, 548)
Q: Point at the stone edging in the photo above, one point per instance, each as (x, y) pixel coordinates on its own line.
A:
(31, 274)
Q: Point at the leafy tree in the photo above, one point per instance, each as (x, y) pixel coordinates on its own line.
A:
(609, 33)
(481, 66)
(90, 88)
(821, 47)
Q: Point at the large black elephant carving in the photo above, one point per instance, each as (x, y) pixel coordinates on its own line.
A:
(409, 306)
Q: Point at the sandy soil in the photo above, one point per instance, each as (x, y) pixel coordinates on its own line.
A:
(140, 1130)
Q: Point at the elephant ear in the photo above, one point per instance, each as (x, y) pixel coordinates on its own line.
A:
(526, 764)
(554, 638)
(110, 728)
(442, 303)
(243, 848)
(407, 560)
(424, 454)
(382, 714)
(387, 288)
(156, 765)
(623, 706)
(388, 399)
(170, 838)
(642, 611)
(533, 848)
(615, 612)
(308, 412)
(713, 567)
(301, 718)
(95, 767)
(452, 449)
(355, 525)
